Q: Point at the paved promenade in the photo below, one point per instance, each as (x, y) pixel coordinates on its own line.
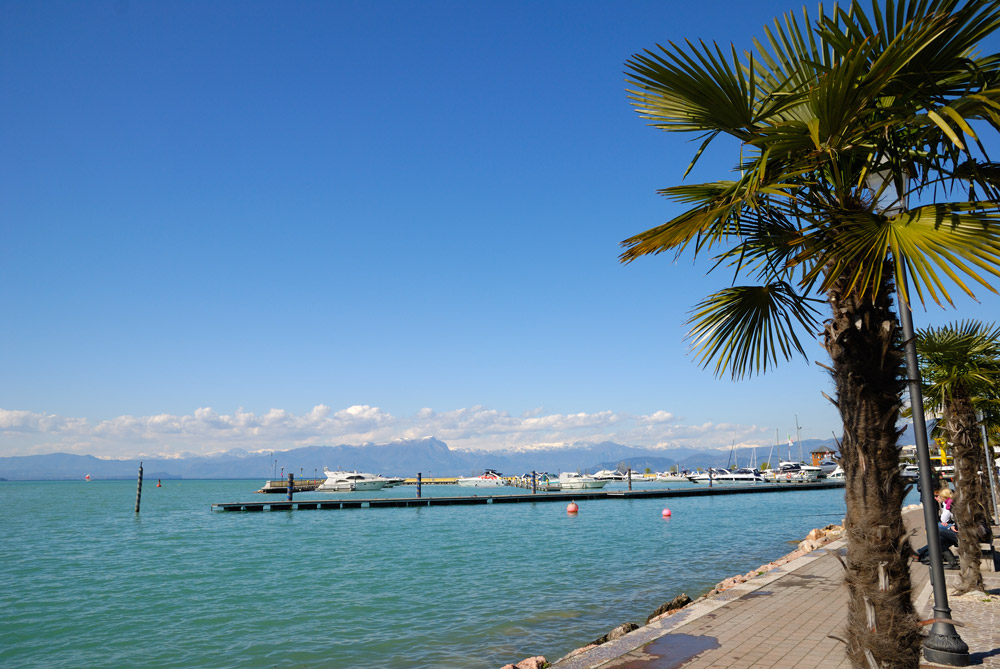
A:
(785, 619)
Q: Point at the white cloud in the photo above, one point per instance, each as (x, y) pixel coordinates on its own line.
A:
(477, 427)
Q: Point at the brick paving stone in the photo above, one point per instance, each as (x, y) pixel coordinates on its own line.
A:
(783, 620)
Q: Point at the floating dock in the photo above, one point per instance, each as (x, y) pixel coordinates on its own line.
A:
(516, 498)
(278, 486)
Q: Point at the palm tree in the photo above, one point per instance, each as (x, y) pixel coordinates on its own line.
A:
(815, 113)
(960, 365)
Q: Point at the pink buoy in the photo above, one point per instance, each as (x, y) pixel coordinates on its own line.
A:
(572, 507)
(666, 513)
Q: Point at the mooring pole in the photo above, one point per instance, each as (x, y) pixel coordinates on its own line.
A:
(291, 485)
(138, 489)
(534, 482)
(629, 478)
(418, 485)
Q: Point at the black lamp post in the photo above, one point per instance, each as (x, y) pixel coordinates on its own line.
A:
(942, 644)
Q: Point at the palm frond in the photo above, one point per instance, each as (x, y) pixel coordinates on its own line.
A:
(954, 239)
(744, 329)
(957, 242)
(693, 92)
(963, 358)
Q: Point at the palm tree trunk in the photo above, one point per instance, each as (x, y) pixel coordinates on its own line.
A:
(970, 514)
(862, 339)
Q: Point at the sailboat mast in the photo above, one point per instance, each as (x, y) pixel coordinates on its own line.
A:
(798, 437)
(770, 453)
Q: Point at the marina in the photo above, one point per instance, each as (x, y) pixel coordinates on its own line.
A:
(515, 498)
(280, 486)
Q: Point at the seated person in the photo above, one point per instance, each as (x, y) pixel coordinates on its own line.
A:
(947, 536)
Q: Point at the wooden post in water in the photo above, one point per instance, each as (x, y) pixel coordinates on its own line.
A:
(629, 478)
(418, 485)
(138, 489)
(291, 485)
(534, 484)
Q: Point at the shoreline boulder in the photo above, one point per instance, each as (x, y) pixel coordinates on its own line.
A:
(616, 633)
(537, 662)
(675, 604)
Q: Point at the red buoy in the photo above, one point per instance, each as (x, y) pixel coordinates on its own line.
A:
(572, 507)
(666, 513)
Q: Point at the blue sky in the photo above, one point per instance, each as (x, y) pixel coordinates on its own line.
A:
(263, 225)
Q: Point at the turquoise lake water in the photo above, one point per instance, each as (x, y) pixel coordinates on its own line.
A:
(85, 582)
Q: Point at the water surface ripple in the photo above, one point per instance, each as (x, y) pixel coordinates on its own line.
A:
(87, 583)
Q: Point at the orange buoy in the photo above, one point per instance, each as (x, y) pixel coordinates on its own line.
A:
(572, 507)
(666, 513)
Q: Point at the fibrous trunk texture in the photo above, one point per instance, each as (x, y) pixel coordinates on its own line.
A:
(969, 509)
(862, 339)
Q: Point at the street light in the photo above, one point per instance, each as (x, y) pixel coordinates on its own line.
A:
(942, 644)
(990, 465)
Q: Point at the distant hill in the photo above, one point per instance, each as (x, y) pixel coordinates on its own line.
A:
(429, 456)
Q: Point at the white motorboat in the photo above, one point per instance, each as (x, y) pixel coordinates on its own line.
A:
(489, 478)
(793, 472)
(609, 475)
(722, 475)
(575, 481)
(547, 482)
(946, 472)
(837, 474)
(827, 466)
(340, 481)
(811, 471)
(393, 481)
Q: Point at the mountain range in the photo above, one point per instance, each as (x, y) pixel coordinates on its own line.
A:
(429, 456)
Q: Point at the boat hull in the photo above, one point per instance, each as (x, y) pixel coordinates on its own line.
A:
(477, 482)
(729, 480)
(351, 482)
(586, 484)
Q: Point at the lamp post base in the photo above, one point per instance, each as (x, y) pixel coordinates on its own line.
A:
(948, 649)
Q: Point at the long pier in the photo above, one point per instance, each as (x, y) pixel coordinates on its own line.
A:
(516, 498)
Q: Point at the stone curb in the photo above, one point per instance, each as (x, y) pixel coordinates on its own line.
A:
(611, 650)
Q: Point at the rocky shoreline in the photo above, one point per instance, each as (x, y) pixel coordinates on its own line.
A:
(815, 539)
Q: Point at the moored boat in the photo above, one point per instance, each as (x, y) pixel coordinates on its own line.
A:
(299, 485)
(827, 466)
(793, 472)
(340, 481)
(609, 475)
(723, 475)
(575, 481)
(490, 477)
(548, 482)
